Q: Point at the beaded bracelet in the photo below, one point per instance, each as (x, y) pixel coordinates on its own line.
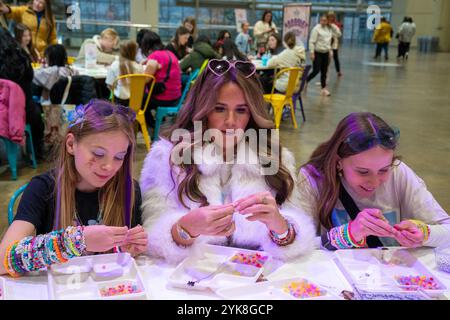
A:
(34, 253)
(422, 226)
(341, 238)
(287, 239)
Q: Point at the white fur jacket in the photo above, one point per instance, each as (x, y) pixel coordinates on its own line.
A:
(161, 207)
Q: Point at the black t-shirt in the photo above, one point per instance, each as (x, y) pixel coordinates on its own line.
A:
(37, 205)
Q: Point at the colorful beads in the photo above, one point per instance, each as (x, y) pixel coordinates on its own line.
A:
(303, 289)
(120, 289)
(252, 259)
(424, 282)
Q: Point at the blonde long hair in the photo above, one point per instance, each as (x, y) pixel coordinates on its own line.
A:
(199, 103)
(117, 195)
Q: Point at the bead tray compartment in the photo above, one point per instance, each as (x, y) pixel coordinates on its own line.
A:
(378, 270)
(89, 277)
(273, 290)
(2, 289)
(214, 267)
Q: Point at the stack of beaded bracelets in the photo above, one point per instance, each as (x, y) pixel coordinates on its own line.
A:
(34, 253)
(422, 226)
(341, 238)
(283, 239)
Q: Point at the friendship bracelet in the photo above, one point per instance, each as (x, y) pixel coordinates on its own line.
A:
(35, 253)
(422, 226)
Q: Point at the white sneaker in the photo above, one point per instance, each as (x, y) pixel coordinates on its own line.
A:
(325, 92)
(318, 83)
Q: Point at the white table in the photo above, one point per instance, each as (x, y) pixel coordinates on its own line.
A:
(317, 267)
(98, 72)
(259, 66)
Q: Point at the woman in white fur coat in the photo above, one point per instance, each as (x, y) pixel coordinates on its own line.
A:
(208, 184)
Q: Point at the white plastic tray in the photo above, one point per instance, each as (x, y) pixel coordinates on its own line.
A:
(272, 290)
(377, 269)
(2, 289)
(83, 278)
(211, 268)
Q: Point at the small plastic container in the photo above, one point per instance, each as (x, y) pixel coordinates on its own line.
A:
(2, 289)
(442, 255)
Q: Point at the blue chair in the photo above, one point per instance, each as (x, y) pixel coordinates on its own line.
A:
(12, 201)
(13, 148)
(162, 112)
(298, 95)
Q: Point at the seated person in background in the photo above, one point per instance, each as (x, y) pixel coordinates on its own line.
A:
(189, 201)
(362, 195)
(223, 34)
(87, 203)
(140, 58)
(275, 44)
(231, 52)
(244, 40)
(292, 56)
(163, 65)
(23, 36)
(202, 50)
(178, 45)
(15, 65)
(107, 44)
(125, 65)
(54, 68)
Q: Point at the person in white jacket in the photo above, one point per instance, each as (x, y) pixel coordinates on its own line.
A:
(362, 195)
(262, 30)
(406, 32)
(320, 47)
(212, 186)
(292, 56)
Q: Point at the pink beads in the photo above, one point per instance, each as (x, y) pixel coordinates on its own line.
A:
(252, 259)
(303, 289)
(120, 289)
(424, 282)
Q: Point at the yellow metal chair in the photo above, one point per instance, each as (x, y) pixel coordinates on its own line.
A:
(278, 100)
(137, 83)
(71, 60)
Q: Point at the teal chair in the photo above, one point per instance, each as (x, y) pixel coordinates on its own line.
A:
(13, 148)
(12, 201)
(162, 112)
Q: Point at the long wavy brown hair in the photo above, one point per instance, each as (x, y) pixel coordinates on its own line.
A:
(323, 163)
(200, 101)
(117, 195)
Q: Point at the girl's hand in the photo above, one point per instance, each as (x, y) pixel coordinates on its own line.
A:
(371, 222)
(312, 56)
(102, 238)
(263, 207)
(211, 220)
(136, 241)
(408, 234)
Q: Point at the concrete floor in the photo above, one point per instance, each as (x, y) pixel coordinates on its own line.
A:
(415, 97)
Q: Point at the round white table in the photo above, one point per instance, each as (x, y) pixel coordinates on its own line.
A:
(317, 266)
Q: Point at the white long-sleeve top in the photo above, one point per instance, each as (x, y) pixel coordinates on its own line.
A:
(404, 196)
(260, 31)
(320, 40)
